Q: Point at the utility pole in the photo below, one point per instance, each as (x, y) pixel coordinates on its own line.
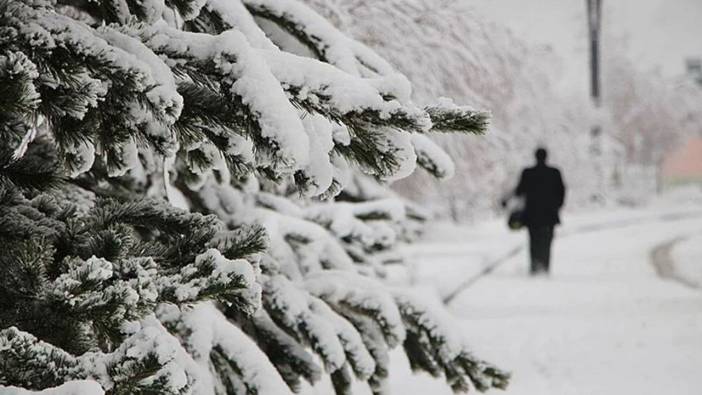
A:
(594, 19)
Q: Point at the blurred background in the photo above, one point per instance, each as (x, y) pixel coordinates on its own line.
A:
(529, 62)
(613, 89)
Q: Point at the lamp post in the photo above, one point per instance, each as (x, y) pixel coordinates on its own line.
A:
(594, 19)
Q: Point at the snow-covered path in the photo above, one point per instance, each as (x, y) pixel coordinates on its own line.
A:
(603, 323)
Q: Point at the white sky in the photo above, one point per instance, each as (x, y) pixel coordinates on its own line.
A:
(660, 33)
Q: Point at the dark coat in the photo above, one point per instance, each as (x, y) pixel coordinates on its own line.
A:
(543, 190)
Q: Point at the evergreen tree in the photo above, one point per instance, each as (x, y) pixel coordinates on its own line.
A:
(180, 206)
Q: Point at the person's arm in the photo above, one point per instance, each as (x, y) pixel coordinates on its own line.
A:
(519, 191)
(522, 185)
(560, 189)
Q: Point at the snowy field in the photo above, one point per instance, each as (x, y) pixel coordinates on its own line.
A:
(605, 322)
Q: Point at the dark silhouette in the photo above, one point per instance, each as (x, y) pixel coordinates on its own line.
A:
(543, 191)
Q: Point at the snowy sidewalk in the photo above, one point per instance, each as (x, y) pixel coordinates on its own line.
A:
(603, 323)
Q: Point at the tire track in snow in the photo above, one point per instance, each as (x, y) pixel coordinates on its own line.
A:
(661, 258)
(487, 269)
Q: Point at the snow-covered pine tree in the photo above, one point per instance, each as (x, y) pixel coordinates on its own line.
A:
(173, 209)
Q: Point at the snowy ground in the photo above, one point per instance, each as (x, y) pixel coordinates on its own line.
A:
(605, 322)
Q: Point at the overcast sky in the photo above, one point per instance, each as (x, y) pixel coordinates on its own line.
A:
(661, 33)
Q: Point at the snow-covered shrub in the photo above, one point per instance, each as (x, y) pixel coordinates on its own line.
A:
(180, 208)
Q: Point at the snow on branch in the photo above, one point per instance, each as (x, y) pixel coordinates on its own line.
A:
(245, 77)
(360, 294)
(222, 350)
(432, 158)
(432, 346)
(74, 387)
(328, 43)
(340, 96)
(223, 15)
(34, 364)
(449, 117)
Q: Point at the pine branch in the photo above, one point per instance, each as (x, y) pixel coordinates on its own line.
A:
(37, 170)
(458, 119)
(29, 363)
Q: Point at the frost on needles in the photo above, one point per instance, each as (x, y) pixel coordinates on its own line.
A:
(189, 202)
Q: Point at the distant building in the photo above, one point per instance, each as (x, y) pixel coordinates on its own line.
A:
(684, 165)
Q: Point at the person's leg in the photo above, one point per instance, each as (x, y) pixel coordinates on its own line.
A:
(533, 250)
(548, 239)
(540, 250)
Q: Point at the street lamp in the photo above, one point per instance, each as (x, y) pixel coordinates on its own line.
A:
(594, 19)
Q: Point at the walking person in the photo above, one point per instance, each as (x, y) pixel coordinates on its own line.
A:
(543, 191)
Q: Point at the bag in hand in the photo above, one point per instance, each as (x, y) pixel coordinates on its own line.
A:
(515, 221)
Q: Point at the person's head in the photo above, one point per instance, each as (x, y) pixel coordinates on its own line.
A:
(541, 155)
